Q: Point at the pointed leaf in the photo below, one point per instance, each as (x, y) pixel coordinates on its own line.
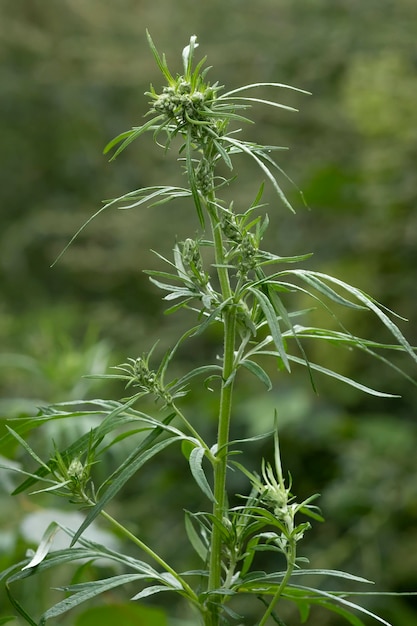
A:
(273, 324)
(196, 466)
(194, 538)
(89, 590)
(343, 379)
(258, 371)
(129, 467)
(44, 546)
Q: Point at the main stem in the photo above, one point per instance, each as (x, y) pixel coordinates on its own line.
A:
(225, 406)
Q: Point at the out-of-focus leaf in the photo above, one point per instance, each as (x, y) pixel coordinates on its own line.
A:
(126, 614)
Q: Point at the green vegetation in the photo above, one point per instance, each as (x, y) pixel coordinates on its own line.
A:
(68, 87)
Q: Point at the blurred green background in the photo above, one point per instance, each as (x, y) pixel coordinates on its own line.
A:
(72, 76)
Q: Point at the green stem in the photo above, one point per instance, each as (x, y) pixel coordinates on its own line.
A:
(291, 554)
(122, 529)
(226, 394)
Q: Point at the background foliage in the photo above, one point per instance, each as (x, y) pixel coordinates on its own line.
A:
(72, 76)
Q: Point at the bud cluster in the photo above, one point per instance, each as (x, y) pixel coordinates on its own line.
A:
(193, 263)
(244, 243)
(140, 375)
(279, 499)
(183, 104)
(204, 176)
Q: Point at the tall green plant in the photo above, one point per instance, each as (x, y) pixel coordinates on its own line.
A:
(226, 279)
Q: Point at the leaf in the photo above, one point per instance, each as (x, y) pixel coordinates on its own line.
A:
(192, 181)
(117, 140)
(81, 445)
(129, 467)
(194, 538)
(343, 379)
(126, 614)
(44, 546)
(150, 591)
(336, 598)
(196, 466)
(256, 85)
(273, 324)
(187, 56)
(369, 303)
(89, 590)
(19, 607)
(314, 281)
(243, 147)
(27, 447)
(332, 573)
(160, 62)
(261, 101)
(258, 371)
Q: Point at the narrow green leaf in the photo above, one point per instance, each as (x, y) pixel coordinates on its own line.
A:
(215, 316)
(273, 324)
(151, 591)
(134, 134)
(282, 311)
(27, 447)
(343, 379)
(118, 139)
(196, 466)
(194, 538)
(256, 85)
(113, 419)
(368, 303)
(334, 597)
(89, 590)
(129, 467)
(332, 573)
(160, 62)
(258, 371)
(242, 147)
(261, 101)
(191, 178)
(314, 281)
(18, 607)
(198, 371)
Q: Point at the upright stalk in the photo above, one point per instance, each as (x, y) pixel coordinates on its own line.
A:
(225, 405)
